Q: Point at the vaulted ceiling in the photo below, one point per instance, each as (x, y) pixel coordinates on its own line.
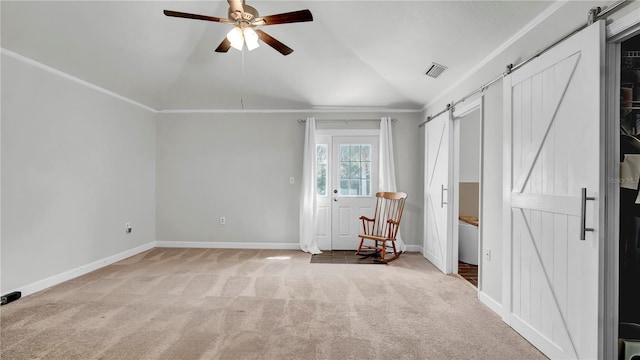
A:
(355, 54)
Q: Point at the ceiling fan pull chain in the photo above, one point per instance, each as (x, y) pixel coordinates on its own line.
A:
(242, 81)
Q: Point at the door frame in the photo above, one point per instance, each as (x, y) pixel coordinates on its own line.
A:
(457, 116)
(330, 133)
(624, 28)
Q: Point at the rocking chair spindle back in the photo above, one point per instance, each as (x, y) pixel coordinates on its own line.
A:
(383, 227)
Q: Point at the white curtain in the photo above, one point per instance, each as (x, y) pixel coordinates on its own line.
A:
(308, 241)
(387, 172)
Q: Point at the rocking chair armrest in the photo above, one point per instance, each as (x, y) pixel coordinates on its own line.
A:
(393, 222)
(363, 218)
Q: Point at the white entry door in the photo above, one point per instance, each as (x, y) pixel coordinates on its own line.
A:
(354, 187)
(437, 233)
(552, 227)
(347, 182)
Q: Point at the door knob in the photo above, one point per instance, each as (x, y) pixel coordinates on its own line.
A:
(335, 191)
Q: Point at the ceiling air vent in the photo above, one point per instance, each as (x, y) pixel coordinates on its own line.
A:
(435, 70)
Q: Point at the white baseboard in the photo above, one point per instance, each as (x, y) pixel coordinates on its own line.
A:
(537, 339)
(490, 302)
(227, 245)
(414, 248)
(245, 245)
(81, 270)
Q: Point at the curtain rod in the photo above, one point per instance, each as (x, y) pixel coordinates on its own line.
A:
(302, 121)
(594, 14)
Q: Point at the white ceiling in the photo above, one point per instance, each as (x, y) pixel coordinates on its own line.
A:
(355, 54)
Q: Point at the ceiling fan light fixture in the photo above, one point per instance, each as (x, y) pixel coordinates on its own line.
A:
(250, 38)
(235, 38)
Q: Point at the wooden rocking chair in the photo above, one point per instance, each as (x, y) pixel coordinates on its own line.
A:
(383, 227)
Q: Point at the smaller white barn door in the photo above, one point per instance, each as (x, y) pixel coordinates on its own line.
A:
(354, 186)
(437, 245)
(553, 228)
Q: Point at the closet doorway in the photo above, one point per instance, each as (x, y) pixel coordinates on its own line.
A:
(453, 173)
(467, 174)
(629, 219)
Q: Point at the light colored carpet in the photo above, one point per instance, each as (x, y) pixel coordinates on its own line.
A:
(257, 304)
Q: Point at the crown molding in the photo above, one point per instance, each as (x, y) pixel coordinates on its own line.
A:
(290, 111)
(67, 76)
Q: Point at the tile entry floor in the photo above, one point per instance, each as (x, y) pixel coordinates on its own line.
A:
(468, 272)
(341, 257)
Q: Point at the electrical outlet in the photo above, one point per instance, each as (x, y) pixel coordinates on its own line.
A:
(223, 220)
(487, 254)
(127, 228)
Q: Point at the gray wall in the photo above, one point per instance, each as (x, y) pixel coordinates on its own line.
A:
(492, 189)
(76, 165)
(238, 166)
(470, 148)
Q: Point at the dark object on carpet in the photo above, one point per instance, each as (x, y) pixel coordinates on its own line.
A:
(468, 272)
(343, 257)
(5, 299)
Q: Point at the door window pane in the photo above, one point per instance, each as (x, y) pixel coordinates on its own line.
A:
(366, 153)
(344, 153)
(344, 170)
(367, 187)
(344, 187)
(355, 187)
(322, 163)
(366, 170)
(355, 153)
(355, 170)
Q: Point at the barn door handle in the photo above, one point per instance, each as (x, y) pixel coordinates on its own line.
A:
(442, 190)
(583, 214)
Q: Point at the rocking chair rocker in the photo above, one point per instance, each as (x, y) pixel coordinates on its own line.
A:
(383, 227)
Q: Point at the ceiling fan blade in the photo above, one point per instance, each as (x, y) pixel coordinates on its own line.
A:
(271, 41)
(196, 16)
(224, 46)
(285, 18)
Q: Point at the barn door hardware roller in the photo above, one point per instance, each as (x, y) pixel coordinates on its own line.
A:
(593, 15)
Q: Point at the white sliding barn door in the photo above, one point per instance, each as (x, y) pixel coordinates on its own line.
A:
(437, 182)
(553, 108)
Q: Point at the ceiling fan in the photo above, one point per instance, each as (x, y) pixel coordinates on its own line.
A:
(245, 18)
